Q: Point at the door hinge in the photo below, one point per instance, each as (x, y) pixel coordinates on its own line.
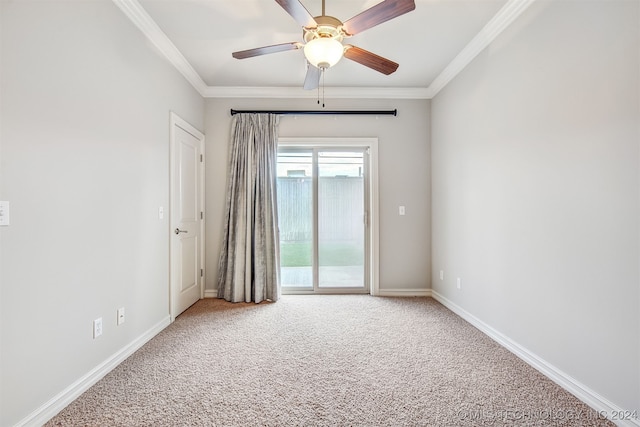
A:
(366, 219)
(201, 158)
(201, 272)
(201, 215)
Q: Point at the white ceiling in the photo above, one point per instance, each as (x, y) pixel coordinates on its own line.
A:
(198, 36)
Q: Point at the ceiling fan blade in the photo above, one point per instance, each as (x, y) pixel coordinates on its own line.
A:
(371, 60)
(312, 79)
(298, 12)
(382, 12)
(266, 50)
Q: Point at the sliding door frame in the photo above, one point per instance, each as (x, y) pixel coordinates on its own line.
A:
(372, 229)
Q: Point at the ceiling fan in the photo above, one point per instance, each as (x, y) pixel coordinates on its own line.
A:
(323, 36)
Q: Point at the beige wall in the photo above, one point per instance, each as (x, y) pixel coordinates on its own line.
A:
(84, 147)
(404, 176)
(535, 190)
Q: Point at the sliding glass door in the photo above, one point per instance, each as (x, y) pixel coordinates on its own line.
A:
(296, 218)
(341, 219)
(322, 208)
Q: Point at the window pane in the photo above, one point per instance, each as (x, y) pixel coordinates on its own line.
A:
(340, 219)
(295, 218)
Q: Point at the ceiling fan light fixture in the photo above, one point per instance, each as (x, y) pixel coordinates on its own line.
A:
(323, 52)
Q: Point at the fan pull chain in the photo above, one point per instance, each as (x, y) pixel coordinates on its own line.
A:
(322, 70)
(323, 88)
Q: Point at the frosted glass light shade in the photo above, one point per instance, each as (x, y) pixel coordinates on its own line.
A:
(323, 52)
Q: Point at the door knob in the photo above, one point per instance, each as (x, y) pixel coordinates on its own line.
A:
(178, 231)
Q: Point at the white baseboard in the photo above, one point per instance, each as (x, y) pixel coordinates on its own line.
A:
(404, 293)
(582, 392)
(59, 402)
(211, 293)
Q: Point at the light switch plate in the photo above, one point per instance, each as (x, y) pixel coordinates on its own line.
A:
(4, 213)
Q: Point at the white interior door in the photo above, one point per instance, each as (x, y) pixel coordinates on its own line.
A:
(187, 165)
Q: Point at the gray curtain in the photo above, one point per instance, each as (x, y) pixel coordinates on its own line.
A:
(248, 269)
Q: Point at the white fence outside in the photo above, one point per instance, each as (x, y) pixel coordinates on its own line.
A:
(340, 213)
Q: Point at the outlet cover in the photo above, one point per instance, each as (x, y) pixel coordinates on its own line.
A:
(4, 213)
(458, 283)
(97, 327)
(120, 320)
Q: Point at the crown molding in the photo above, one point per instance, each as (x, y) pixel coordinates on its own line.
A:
(136, 13)
(505, 16)
(329, 92)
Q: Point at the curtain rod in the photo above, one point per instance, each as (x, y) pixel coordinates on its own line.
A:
(322, 112)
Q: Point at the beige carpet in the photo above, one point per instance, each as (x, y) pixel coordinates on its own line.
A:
(324, 361)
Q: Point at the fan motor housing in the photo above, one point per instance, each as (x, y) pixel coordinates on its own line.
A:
(328, 26)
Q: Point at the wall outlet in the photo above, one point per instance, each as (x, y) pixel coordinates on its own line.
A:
(120, 320)
(441, 274)
(97, 327)
(458, 283)
(401, 210)
(4, 213)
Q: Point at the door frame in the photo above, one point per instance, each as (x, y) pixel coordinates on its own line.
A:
(373, 230)
(177, 121)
